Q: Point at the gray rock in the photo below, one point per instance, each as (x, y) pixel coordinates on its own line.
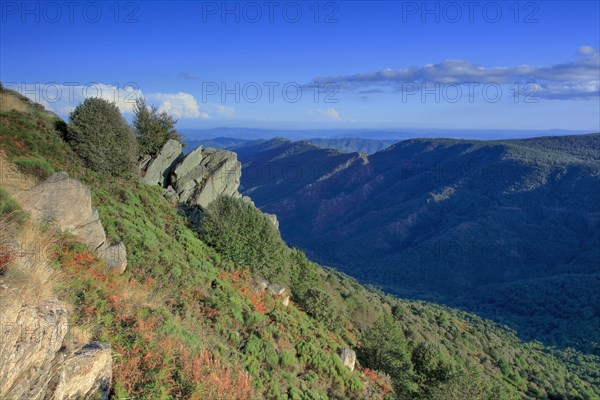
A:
(61, 201)
(159, 169)
(191, 161)
(348, 357)
(67, 204)
(171, 195)
(261, 284)
(92, 233)
(31, 339)
(115, 256)
(285, 301)
(143, 163)
(33, 362)
(86, 373)
(205, 174)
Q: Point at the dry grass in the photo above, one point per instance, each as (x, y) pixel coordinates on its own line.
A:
(28, 276)
(13, 180)
(10, 101)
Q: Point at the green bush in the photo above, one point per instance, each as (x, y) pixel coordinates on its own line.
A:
(101, 137)
(242, 234)
(34, 166)
(384, 348)
(153, 129)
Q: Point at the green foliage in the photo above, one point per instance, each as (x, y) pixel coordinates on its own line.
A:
(242, 234)
(153, 128)
(101, 137)
(384, 348)
(10, 209)
(35, 166)
(319, 304)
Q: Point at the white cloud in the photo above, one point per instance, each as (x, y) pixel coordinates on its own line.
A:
(179, 105)
(63, 98)
(587, 50)
(575, 79)
(328, 113)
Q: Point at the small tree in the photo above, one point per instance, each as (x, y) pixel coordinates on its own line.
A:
(153, 129)
(99, 134)
(384, 348)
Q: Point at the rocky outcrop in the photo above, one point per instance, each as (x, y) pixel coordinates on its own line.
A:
(31, 339)
(86, 373)
(348, 357)
(195, 179)
(67, 204)
(276, 289)
(33, 362)
(280, 292)
(159, 168)
(205, 174)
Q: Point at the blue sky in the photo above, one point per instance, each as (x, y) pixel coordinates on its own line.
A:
(402, 64)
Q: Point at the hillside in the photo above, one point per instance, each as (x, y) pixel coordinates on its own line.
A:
(187, 318)
(509, 229)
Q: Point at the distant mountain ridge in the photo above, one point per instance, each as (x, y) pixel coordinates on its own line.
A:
(343, 145)
(450, 220)
(396, 134)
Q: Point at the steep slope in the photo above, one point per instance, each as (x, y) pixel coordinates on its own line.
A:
(187, 320)
(462, 222)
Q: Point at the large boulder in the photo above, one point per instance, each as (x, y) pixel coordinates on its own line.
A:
(159, 168)
(348, 357)
(67, 204)
(34, 364)
(204, 174)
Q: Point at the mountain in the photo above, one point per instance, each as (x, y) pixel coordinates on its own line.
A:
(509, 229)
(344, 145)
(219, 308)
(217, 143)
(369, 134)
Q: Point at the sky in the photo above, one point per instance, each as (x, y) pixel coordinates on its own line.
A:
(314, 65)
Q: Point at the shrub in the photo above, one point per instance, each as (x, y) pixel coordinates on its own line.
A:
(101, 137)
(153, 129)
(242, 234)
